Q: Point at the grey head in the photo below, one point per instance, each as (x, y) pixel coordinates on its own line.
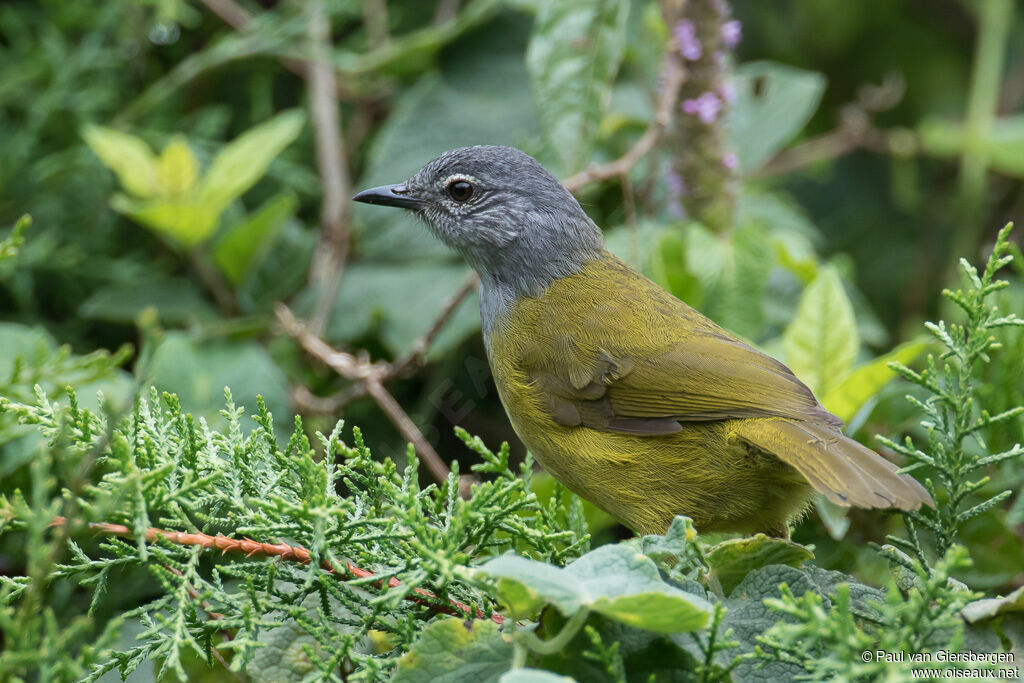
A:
(505, 214)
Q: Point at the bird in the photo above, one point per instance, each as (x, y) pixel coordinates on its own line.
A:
(625, 394)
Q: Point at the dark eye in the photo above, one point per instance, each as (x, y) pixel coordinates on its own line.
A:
(460, 190)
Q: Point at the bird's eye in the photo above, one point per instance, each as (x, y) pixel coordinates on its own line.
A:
(460, 190)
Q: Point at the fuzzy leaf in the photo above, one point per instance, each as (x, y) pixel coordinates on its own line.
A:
(732, 560)
(573, 56)
(987, 608)
(237, 250)
(177, 169)
(456, 651)
(245, 159)
(613, 580)
(859, 385)
(773, 103)
(821, 342)
(127, 156)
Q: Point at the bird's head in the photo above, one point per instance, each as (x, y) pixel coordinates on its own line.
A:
(497, 207)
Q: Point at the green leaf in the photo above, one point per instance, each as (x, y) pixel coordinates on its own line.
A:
(244, 160)
(460, 107)
(732, 560)
(858, 386)
(987, 608)
(821, 342)
(127, 156)
(680, 534)
(669, 268)
(198, 370)
(177, 169)
(527, 675)
(236, 251)
(177, 300)
(733, 272)
(573, 56)
(186, 220)
(456, 651)
(614, 580)
(403, 300)
(773, 103)
(1004, 144)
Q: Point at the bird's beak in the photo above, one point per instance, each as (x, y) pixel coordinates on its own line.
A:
(389, 195)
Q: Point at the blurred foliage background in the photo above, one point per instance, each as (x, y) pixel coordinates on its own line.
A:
(188, 165)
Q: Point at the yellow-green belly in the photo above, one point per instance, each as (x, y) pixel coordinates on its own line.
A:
(644, 481)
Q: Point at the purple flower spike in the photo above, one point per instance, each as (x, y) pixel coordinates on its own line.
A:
(676, 186)
(732, 31)
(730, 161)
(686, 36)
(705, 107)
(728, 92)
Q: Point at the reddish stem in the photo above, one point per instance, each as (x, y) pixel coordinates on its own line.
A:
(291, 553)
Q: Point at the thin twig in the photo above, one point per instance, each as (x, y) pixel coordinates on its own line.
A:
(233, 14)
(446, 11)
(674, 76)
(372, 376)
(289, 553)
(408, 428)
(329, 259)
(419, 349)
(375, 16)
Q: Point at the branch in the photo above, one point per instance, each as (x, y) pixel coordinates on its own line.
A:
(329, 259)
(372, 376)
(419, 349)
(674, 77)
(855, 131)
(288, 553)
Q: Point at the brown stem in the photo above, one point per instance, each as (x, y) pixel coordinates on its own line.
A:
(214, 282)
(422, 345)
(329, 259)
(674, 77)
(288, 553)
(372, 375)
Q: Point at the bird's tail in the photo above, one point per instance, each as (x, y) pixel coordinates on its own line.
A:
(839, 467)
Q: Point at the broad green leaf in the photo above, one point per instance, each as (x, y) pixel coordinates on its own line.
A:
(858, 386)
(456, 651)
(821, 342)
(177, 169)
(835, 517)
(748, 616)
(237, 250)
(457, 108)
(733, 271)
(197, 370)
(177, 301)
(987, 608)
(186, 220)
(245, 159)
(614, 580)
(127, 156)
(773, 103)
(402, 300)
(681, 533)
(527, 675)
(669, 268)
(732, 560)
(573, 56)
(1004, 144)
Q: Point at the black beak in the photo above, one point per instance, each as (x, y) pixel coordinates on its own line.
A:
(389, 195)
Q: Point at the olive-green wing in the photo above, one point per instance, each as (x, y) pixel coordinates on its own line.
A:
(705, 376)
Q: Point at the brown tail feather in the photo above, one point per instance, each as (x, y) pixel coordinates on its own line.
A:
(842, 469)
